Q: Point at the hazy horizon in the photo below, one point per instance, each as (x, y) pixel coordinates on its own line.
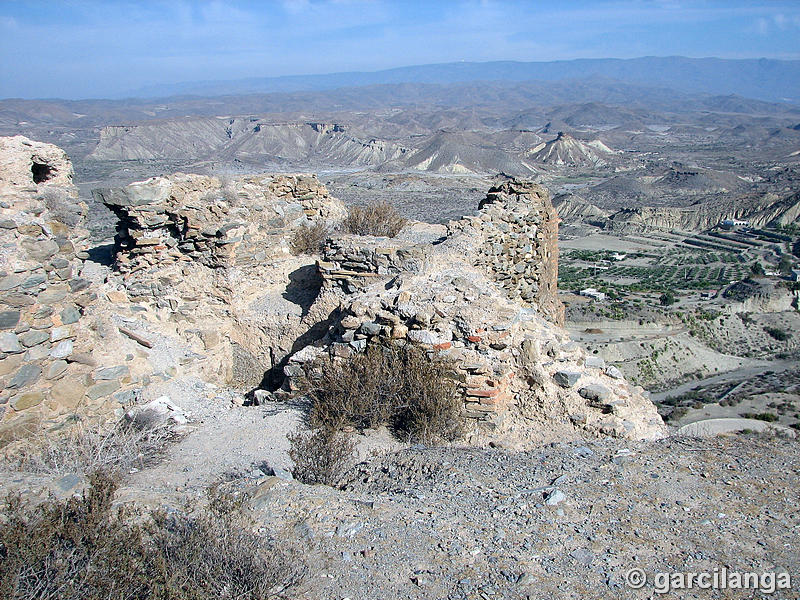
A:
(93, 49)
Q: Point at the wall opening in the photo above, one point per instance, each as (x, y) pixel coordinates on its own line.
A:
(42, 172)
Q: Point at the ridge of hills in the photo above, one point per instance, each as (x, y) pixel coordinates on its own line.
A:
(766, 79)
(486, 98)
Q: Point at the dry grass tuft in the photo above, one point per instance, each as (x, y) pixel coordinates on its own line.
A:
(85, 549)
(379, 219)
(86, 450)
(320, 456)
(310, 239)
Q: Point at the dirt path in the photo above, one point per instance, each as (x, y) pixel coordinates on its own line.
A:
(231, 442)
(739, 374)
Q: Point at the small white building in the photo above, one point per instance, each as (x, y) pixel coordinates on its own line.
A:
(593, 293)
(619, 256)
(734, 223)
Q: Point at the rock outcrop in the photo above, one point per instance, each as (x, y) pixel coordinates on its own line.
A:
(566, 150)
(248, 139)
(768, 209)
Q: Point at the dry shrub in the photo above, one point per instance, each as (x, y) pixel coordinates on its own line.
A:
(310, 239)
(379, 219)
(83, 548)
(394, 385)
(85, 450)
(228, 190)
(320, 456)
(62, 207)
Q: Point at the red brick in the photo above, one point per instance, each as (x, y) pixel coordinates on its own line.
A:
(490, 393)
(474, 338)
(443, 346)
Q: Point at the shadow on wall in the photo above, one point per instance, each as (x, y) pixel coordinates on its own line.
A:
(102, 254)
(304, 286)
(274, 378)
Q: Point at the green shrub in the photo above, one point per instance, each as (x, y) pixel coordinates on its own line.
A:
(82, 548)
(379, 219)
(310, 239)
(320, 456)
(778, 333)
(394, 385)
(667, 298)
(768, 417)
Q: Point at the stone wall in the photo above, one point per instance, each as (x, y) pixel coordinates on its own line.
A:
(516, 241)
(349, 261)
(485, 297)
(201, 219)
(206, 286)
(47, 364)
(215, 256)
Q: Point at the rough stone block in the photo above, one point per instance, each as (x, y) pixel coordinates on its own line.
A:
(26, 400)
(25, 376)
(9, 319)
(566, 379)
(594, 392)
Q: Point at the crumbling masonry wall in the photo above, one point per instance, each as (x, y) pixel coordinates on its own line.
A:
(201, 219)
(485, 297)
(48, 365)
(516, 229)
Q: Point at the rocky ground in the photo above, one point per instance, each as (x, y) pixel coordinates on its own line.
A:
(563, 521)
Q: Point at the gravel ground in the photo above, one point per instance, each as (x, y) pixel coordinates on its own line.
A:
(563, 521)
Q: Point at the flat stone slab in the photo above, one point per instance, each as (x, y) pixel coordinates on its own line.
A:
(9, 319)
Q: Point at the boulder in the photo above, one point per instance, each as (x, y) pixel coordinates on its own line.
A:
(157, 413)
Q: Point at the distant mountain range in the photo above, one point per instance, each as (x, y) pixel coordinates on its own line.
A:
(763, 79)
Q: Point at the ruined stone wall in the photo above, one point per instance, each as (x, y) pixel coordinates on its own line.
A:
(215, 255)
(47, 367)
(349, 261)
(201, 219)
(484, 297)
(516, 233)
(519, 375)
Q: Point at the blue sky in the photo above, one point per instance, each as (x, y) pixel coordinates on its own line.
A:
(92, 48)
